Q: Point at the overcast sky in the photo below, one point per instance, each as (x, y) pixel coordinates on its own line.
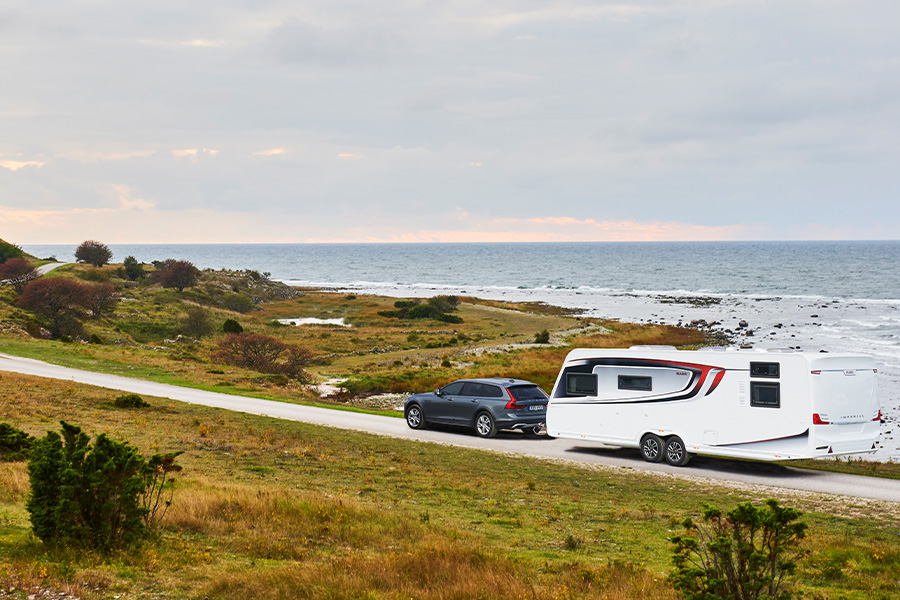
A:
(459, 120)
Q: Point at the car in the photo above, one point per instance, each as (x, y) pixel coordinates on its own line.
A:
(485, 405)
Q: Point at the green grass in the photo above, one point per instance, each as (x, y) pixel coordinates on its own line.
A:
(269, 509)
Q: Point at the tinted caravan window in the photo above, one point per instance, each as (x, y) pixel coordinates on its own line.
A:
(765, 394)
(632, 382)
(581, 384)
(761, 369)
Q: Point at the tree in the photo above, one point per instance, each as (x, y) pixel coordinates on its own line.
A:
(179, 274)
(60, 300)
(232, 326)
(17, 272)
(93, 252)
(133, 269)
(103, 299)
(8, 251)
(265, 354)
(747, 553)
(197, 323)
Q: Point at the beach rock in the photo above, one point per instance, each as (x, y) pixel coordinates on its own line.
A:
(742, 324)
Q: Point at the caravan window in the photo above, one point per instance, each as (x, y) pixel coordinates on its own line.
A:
(633, 382)
(761, 369)
(581, 384)
(766, 394)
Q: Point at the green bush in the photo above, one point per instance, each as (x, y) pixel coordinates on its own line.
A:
(96, 339)
(238, 303)
(130, 401)
(101, 497)
(747, 553)
(8, 251)
(542, 337)
(15, 444)
(232, 326)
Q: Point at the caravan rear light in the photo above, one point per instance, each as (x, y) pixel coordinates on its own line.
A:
(512, 400)
(878, 417)
(816, 372)
(817, 420)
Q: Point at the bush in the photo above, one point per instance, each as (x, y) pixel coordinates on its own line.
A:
(238, 303)
(8, 251)
(96, 339)
(130, 401)
(93, 252)
(264, 354)
(542, 337)
(98, 497)
(132, 269)
(436, 308)
(103, 299)
(17, 272)
(178, 274)
(197, 323)
(746, 553)
(15, 444)
(232, 326)
(60, 300)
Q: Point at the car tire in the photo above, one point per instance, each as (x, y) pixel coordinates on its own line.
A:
(484, 425)
(652, 448)
(414, 417)
(676, 452)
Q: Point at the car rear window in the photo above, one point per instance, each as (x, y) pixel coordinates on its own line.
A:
(527, 392)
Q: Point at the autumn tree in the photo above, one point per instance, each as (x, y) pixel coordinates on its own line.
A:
(17, 272)
(93, 252)
(59, 300)
(265, 354)
(103, 299)
(179, 274)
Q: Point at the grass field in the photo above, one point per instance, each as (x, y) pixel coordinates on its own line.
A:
(273, 509)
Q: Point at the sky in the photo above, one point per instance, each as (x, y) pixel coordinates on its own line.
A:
(246, 121)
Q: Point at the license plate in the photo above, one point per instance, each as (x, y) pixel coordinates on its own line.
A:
(536, 407)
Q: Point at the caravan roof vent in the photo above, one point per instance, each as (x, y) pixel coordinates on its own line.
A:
(715, 348)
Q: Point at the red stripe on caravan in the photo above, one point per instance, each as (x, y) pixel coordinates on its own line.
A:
(716, 380)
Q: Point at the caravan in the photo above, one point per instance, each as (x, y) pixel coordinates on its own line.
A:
(671, 404)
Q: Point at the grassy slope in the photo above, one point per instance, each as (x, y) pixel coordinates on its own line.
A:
(272, 509)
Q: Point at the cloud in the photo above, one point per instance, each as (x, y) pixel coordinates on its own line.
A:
(270, 152)
(15, 165)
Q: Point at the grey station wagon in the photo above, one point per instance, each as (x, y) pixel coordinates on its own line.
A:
(487, 405)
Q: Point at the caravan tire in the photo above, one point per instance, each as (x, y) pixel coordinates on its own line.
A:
(652, 448)
(676, 452)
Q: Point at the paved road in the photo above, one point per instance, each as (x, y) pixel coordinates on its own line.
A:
(742, 472)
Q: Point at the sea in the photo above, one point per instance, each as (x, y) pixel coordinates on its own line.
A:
(833, 296)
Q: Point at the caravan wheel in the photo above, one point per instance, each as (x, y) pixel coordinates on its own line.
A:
(652, 448)
(676, 454)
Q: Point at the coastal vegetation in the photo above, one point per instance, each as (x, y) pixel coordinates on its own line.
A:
(269, 509)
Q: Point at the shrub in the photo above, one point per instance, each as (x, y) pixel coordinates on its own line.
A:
(17, 272)
(178, 274)
(15, 444)
(232, 326)
(132, 268)
(542, 337)
(95, 275)
(264, 354)
(746, 553)
(103, 299)
(436, 308)
(93, 252)
(96, 339)
(238, 303)
(197, 323)
(130, 401)
(96, 496)
(8, 251)
(60, 300)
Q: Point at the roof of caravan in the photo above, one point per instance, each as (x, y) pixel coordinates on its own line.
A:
(710, 354)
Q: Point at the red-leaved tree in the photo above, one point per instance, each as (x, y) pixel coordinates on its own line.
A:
(265, 354)
(60, 300)
(179, 274)
(103, 299)
(17, 272)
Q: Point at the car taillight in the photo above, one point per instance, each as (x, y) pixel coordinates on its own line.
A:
(512, 400)
(817, 420)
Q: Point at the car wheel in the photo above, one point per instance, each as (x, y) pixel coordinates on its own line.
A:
(414, 417)
(652, 448)
(484, 425)
(676, 453)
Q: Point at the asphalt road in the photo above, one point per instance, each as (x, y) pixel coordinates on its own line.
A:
(741, 472)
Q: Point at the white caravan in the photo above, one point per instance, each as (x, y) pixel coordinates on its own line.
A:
(759, 404)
